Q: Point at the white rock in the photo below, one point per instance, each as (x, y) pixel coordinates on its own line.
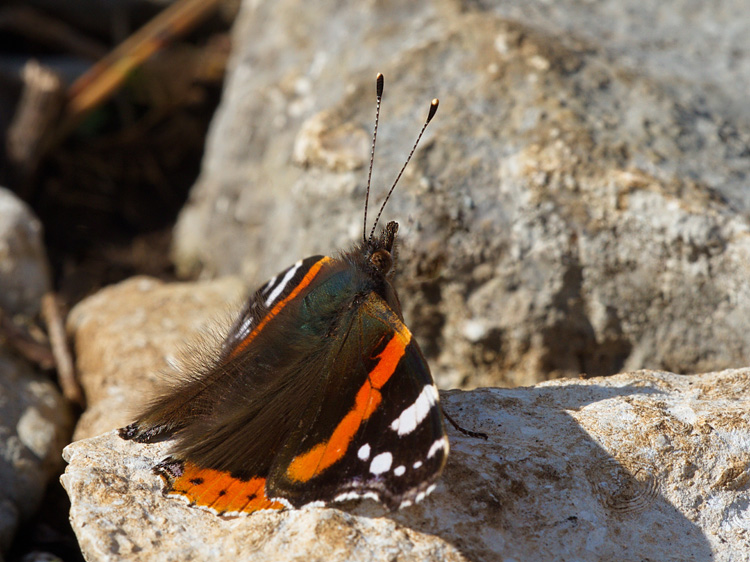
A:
(129, 337)
(573, 470)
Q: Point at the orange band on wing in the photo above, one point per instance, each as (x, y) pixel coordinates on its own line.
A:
(220, 492)
(306, 280)
(321, 456)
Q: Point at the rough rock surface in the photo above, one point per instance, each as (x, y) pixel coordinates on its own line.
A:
(130, 336)
(575, 206)
(24, 271)
(639, 466)
(35, 425)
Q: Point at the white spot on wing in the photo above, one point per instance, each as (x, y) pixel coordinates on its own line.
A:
(364, 452)
(381, 463)
(438, 445)
(415, 414)
(269, 285)
(283, 283)
(354, 495)
(417, 465)
(399, 470)
(283, 502)
(181, 497)
(244, 329)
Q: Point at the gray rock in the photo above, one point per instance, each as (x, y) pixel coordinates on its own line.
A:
(35, 420)
(575, 206)
(24, 271)
(645, 465)
(35, 424)
(692, 45)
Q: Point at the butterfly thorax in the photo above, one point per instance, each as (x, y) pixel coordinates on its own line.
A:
(345, 282)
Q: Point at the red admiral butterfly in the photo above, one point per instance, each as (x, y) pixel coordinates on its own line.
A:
(319, 394)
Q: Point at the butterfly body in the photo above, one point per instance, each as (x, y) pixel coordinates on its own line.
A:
(319, 394)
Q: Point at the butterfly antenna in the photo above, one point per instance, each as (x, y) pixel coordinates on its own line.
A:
(379, 84)
(430, 115)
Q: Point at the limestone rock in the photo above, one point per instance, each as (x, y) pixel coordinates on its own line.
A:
(24, 271)
(646, 465)
(130, 336)
(35, 425)
(574, 207)
(639, 466)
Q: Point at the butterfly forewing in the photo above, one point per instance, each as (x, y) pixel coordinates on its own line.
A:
(378, 431)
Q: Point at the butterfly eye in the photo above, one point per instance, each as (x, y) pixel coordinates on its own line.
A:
(382, 261)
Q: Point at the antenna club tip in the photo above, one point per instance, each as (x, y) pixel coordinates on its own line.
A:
(433, 109)
(379, 81)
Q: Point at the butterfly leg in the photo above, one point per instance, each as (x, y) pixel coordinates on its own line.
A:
(477, 434)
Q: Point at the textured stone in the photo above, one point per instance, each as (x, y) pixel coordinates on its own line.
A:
(639, 466)
(574, 207)
(24, 271)
(35, 425)
(128, 336)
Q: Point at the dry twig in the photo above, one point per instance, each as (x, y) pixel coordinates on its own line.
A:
(20, 340)
(56, 331)
(35, 117)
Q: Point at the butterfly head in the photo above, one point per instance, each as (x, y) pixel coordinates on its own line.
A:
(380, 253)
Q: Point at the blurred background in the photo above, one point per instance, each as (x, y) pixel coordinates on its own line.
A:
(578, 207)
(106, 155)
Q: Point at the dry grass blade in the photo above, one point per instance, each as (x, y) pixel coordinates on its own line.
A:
(107, 75)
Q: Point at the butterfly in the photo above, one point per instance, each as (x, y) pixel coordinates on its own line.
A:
(319, 394)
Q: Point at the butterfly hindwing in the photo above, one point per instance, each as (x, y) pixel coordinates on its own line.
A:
(239, 411)
(196, 396)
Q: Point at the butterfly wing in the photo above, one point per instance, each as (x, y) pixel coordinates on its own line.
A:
(378, 431)
(269, 300)
(195, 396)
(320, 394)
